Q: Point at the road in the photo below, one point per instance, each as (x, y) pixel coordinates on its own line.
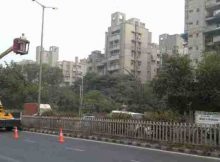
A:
(31, 147)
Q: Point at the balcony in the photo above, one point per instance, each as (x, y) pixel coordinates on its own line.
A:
(212, 30)
(212, 5)
(115, 37)
(100, 64)
(115, 47)
(113, 68)
(213, 19)
(116, 57)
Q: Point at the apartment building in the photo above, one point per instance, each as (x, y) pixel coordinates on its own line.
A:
(202, 27)
(96, 63)
(72, 71)
(48, 57)
(127, 47)
(154, 61)
(172, 44)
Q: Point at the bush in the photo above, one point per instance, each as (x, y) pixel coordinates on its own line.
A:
(162, 116)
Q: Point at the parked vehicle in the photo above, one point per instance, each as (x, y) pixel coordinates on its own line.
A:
(32, 109)
(131, 115)
(9, 120)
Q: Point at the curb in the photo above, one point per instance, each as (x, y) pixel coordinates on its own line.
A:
(215, 154)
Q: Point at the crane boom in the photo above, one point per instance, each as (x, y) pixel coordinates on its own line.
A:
(3, 54)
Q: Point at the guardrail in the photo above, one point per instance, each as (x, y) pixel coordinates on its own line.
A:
(174, 133)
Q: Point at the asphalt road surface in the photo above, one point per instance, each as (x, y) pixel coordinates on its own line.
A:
(31, 147)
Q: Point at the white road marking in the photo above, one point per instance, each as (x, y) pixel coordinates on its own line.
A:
(9, 159)
(29, 141)
(74, 149)
(130, 146)
(134, 161)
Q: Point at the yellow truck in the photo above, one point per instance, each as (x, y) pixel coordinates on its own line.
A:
(11, 120)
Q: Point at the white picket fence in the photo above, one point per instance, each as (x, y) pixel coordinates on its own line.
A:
(178, 133)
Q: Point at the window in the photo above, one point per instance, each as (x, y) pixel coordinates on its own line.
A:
(190, 11)
(197, 35)
(197, 22)
(197, 10)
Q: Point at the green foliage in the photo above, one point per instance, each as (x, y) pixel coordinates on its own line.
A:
(120, 90)
(163, 116)
(178, 88)
(98, 102)
(183, 88)
(19, 84)
(208, 83)
(174, 83)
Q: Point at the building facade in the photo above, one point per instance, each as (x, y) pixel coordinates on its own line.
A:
(48, 57)
(172, 44)
(72, 71)
(202, 27)
(97, 63)
(127, 47)
(154, 61)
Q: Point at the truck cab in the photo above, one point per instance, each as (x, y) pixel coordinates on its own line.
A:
(7, 120)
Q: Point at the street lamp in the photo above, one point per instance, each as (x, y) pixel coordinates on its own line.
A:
(41, 51)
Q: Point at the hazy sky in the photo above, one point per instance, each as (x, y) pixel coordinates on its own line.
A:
(78, 27)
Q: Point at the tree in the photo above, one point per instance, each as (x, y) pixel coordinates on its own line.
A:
(96, 101)
(19, 84)
(208, 83)
(12, 86)
(174, 83)
(118, 88)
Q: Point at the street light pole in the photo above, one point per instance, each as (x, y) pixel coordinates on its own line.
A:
(41, 53)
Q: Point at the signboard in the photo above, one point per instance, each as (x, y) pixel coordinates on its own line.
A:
(202, 117)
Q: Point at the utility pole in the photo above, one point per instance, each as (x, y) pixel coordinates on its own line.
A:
(41, 51)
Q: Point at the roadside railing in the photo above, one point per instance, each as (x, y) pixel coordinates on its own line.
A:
(167, 132)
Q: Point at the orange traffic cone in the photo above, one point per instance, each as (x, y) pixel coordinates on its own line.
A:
(16, 133)
(61, 138)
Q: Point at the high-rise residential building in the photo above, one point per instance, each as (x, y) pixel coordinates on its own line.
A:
(154, 61)
(202, 26)
(48, 57)
(96, 63)
(172, 44)
(83, 65)
(72, 71)
(127, 46)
